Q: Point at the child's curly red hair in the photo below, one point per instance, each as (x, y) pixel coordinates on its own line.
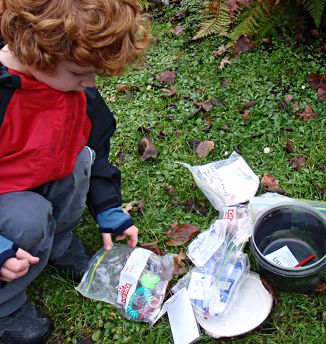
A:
(106, 34)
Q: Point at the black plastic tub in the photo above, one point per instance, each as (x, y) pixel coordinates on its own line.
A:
(303, 230)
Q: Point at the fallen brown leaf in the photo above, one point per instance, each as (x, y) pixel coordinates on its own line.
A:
(308, 114)
(128, 208)
(125, 87)
(178, 30)
(298, 162)
(314, 81)
(180, 235)
(180, 267)
(170, 93)
(224, 62)
(248, 104)
(204, 148)
(195, 206)
(147, 150)
(220, 51)
(320, 288)
(170, 189)
(204, 105)
(322, 92)
(271, 184)
(246, 115)
(167, 76)
(141, 205)
(225, 83)
(295, 106)
(243, 44)
(206, 128)
(153, 246)
(288, 146)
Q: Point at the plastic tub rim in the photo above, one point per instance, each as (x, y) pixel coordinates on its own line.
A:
(276, 268)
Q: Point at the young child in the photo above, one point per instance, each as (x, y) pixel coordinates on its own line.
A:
(54, 142)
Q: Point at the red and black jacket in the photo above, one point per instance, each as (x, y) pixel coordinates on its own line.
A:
(34, 101)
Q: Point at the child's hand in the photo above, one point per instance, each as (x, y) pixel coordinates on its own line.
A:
(17, 267)
(131, 233)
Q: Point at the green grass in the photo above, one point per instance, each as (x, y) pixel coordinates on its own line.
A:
(264, 75)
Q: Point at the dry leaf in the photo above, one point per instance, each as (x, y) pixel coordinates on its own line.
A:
(320, 288)
(289, 148)
(179, 266)
(195, 206)
(178, 30)
(246, 115)
(170, 93)
(271, 184)
(314, 81)
(308, 114)
(170, 189)
(204, 148)
(243, 44)
(181, 234)
(296, 106)
(225, 83)
(298, 162)
(204, 105)
(248, 104)
(220, 51)
(147, 150)
(167, 76)
(322, 92)
(224, 62)
(288, 99)
(206, 128)
(141, 205)
(128, 208)
(152, 246)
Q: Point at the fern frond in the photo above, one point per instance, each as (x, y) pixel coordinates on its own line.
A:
(258, 20)
(215, 23)
(315, 9)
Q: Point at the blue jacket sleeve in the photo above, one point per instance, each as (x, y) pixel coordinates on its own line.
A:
(113, 220)
(105, 182)
(7, 250)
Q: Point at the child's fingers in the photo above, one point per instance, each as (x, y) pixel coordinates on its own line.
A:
(22, 254)
(16, 265)
(107, 241)
(9, 275)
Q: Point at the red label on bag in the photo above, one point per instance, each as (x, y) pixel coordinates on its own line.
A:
(124, 290)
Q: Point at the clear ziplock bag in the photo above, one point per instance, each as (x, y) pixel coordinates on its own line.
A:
(132, 279)
(212, 284)
(226, 182)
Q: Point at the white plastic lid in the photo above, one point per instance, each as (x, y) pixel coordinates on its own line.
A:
(251, 307)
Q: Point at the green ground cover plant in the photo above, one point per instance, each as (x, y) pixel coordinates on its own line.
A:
(206, 102)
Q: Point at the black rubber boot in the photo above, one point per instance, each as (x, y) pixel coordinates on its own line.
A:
(74, 262)
(27, 325)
